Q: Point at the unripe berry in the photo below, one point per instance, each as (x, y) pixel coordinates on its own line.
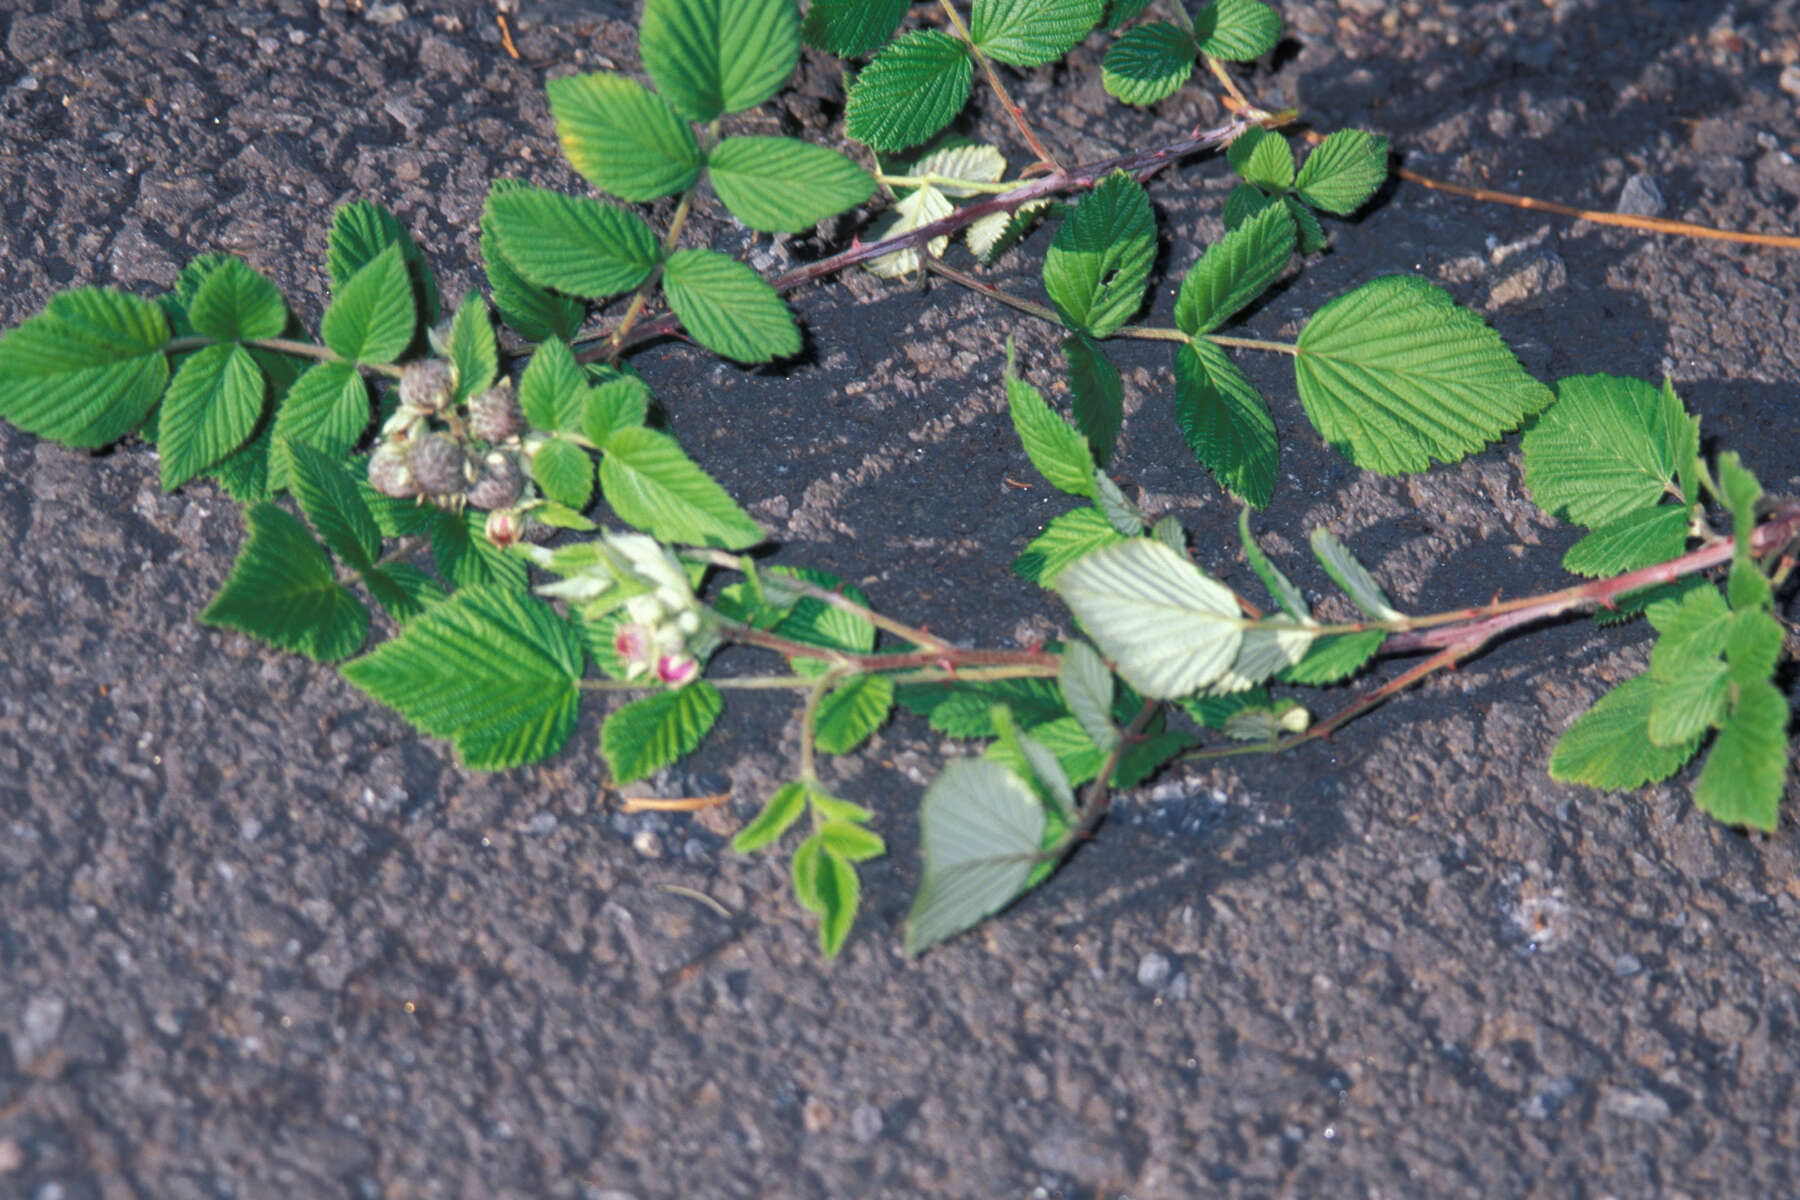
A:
(438, 464)
(388, 472)
(503, 527)
(494, 414)
(427, 385)
(499, 484)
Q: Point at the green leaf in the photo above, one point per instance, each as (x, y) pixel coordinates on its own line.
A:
(1264, 158)
(328, 496)
(1351, 575)
(649, 734)
(1033, 762)
(808, 865)
(472, 347)
(1225, 422)
(1275, 645)
(709, 57)
(850, 841)
(1124, 516)
(360, 231)
(1609, 746)
(1099, 261)
(1607, 448)
(1343, 171)
(282, 591)
(965, 710)
(212, 408)
(912, 89)
(244, 473)
(1292, 602)
(851, 28)
(1753, 645)
(1638, 539)
(1394, 374)
(1099, 394)
(1693, 633)
(614, 405)
(653, 485)
(565, 473)
(1742, 781)
(1087, 685)
(403, 589)
(465, 557)
(1030, 33)
(236, 302)
(782, 184)
(785, 807)
(1334, 657)
(326, 408)
(553, 390)
(492, 669)
(622, 138)
(1748, 587)
(1237, 30)
(730, 309)
(1149, 63)
(1168, 628)
(1684, 443)
(817, 623)
(1245, 202)
(374, 315)
(1064, 540)
(87, 370)
(1740, 491)
(1689, 705)
(534, 312)
(852, 711)
(1235, 270)
(838, 893)
(570, 243)
(1057, 450)
(979, 831)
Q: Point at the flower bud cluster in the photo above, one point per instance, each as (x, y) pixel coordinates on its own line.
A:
(450, 454)
(664, 631)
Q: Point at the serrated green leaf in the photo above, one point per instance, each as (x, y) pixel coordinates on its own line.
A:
(1065, 539)
(782, 184)
(1394, 374)
(565, 473)
(1693, 634)
(1149, 63)
(1099, 261)
(1235, 270)
(1312, 235)
(1351, 575)
(1289, 597)
(1124, 516)
(785, 807)
(709, 57)
(1753, 645)
(622, 138)
(1033, 762)
(326, 408)
(1684, 443)
(851, 842)
(1225, 422)
(1343, 171)
(979, 831)
(492, 669)
(1168, 629)
(1262, 157)
(1030, 33)
(1076, 755)
(1245, 202)
(1687, 706)
(570, 243)
(1237, 30)
(1055, 448)
(1334, 658)
(1747, 587)
(1609, 746)
(244, 473)
(852, 711)
(472, 347)
(282, 591)
(374, 315)
(1740, 491)
(912, 89)
(649, 734)
(1605, 449)
(653, 485)
(806, 867)
(1099, 394)
(1267, 649)
(534, 312)
(1213, 711)
(1169, 532)
(851, 28)
(87, 370)
(730, 309)
(833, 809)
(403, 589)
(328, 496)
(212, 408)
(614, 405)
(839, 893)
(1744, 775)
(553, 390)
(1637, 539)
(817, 623)
(236, 302)
(360, 231)
(1087, 685)
(965, 710)
(465, 557)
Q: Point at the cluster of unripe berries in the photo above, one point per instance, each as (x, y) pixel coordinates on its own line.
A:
(474, 459)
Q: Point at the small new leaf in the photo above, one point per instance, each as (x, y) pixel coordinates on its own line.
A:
(1343, 171)
(1149, 63)
(653, 732)
(1351, 575)
(282, 591)
(472, 347)
(1057, 450)
(786, 806)
(730, 309)
(852, 711)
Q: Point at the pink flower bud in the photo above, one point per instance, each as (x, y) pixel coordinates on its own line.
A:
(676, 669)
(503, 527)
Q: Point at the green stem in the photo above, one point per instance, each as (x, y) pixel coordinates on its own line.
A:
(947, 183)
(615, 344)
(182, 345)
(1041, 311)
(1219, 339)
(824, 595)
(1098, 797)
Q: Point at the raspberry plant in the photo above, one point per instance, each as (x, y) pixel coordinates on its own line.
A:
(490, 474)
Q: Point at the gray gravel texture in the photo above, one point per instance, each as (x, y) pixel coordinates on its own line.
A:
(258, 939)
